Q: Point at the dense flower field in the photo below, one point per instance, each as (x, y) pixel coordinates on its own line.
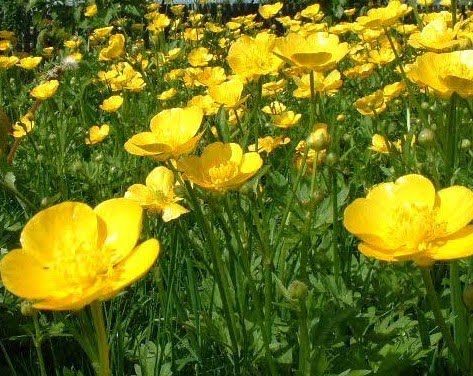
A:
(271, 194)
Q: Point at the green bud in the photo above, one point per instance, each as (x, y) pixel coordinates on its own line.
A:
(297, 290)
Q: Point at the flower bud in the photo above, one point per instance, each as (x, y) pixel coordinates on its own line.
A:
(465, 143)
(297, 290)
(426, 136)
(27, 309)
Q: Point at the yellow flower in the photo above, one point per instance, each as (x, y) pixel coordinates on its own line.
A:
(274, 108)
(5, 45)
(24, 126)
(384, 17)
(97, 134)
(8, 61)
(379, 144)
(272, 88)
(323, 84)
(167, 94)
(115, 48)
(205, 103)
(90, 11)
(45, 90)
(228, 93)
(101, 33)
(158, 194)
(159, 23)
(286, 119)
(221, 167)
(48, 51)
(112, 104)
(393, 90)
(173, 133)
(372, 104)
(73, 255)
(312, 12)
(73, 43)
(268, 144)
(319, 138)
(250, 57)
(269, 10)
(435, 36)
(319, 51)
(409, 220)
(199, 57)
(444, 73)
(210, 76)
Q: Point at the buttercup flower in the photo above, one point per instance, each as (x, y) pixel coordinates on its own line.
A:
(97, 134)
(24, 126)
(112, 104)
(268, 144)
(173, 133)
(30, 62)
(444, 73)
(269, 10)
(158, 194)
(8, 61)
(228, 93)
(384, 17)
(115, 48)
(72, 255)
(372, 104)
(45, 90)
(409, 220)
(90, 11)
(221, 167)
(319, 51)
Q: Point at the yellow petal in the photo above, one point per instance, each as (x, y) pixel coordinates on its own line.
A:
(377, 253)
(455, 208)
(60, 228)
(173, 211)
(457, 245)
(415, 188)
(135, 266)
(161, 179)
(71, 302)
(251, 163)
(141, 194)
(25, 276)
(123, 220)
(145, 144)
(367, 219)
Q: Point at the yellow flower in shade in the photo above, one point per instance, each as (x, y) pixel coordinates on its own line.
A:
(73, 43)
(73, 255)
(173, 133)
(268, 144)
(90, 11)
(210, 76)
(274, 108)
(30, 62)
(112, 104)
(8, 61)
(379, 144)
(45, 90)
(360, 71)
(372, 104)
(221, 167)
(205, 103)
(167, 94)
(316, 157)
(273, 88)
(251, 57)
(101, 33)
(319, 51)
(329, 84)
(286, 119)
(269, 10)
(48, 52)
(384, 17)
(159, 23)
(5, 45)
(228, 93)
(158, 194)
(444, 73)
(115, 48)
(312, 12)
(393, 90)
(319, 138)
(24, 126)
(409, 220)
(436, 36)
(199, 57)
(97, 134)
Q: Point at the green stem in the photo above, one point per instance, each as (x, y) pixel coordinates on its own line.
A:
(304, 344)
(102, 342)
(335, 227)
(454, 12)
(460, 323)
(434, 304)
(313, 103)
(452, 139)
(38, 340)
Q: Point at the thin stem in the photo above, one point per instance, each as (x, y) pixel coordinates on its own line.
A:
(38, 340)
(102, 342)
(434, 304)
(313, 104)
(304, 344)
(335, 227)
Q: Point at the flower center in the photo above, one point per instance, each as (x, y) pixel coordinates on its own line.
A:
(222, 173)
